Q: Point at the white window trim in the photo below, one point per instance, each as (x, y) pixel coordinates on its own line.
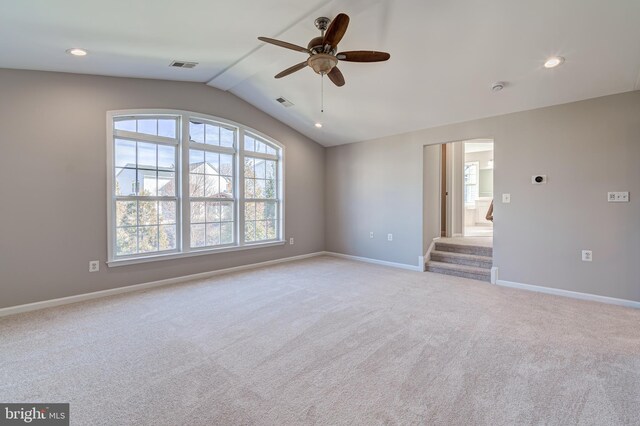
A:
(183, 248)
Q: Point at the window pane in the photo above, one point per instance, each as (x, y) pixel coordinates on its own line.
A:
(148, 212)
(167, 212)
(259, 211)
(249, 143)
(125, 153)
(147, 239)
(249, 231)
(227, 137)
(198, 235)
(261, 230)
(148, 126)
(248, 167)
(211, 186)
(213, 234)
(226, 187)
(148, 183)
(166, 184)
(271, 150)
(126, 213)
(167, 240)
(125, 181)
(128, 125)
(196, 160)
(167, 127)
(226, 165)
(249, 188)
(271, 230)
(226, 233)
(197, 212)
(147, 155)
(213, 212)
(196, 132)
(212, 165)
(212, 135)
(196, 185)
(259, 188)
(260, 169)
(226, 211)
(270, 189)
(126, 241)
(260, 147)
(271, 169)
(166, 157)
(250, 211)
(270, 210)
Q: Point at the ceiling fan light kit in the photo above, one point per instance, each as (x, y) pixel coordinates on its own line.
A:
(323, 58)
(322, 63)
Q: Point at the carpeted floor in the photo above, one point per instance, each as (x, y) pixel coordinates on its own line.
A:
(328, 341)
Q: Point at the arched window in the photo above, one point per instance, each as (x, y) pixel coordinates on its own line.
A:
(182, 183)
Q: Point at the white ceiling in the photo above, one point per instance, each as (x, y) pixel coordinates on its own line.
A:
(445, 54)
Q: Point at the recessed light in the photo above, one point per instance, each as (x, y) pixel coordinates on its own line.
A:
(553, 61)
(76, 51)
(318, 125)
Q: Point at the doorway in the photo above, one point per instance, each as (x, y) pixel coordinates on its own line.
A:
(458, 190)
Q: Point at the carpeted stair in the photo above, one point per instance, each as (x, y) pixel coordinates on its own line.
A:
(461, 260)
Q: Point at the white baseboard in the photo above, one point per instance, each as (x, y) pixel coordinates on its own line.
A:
(376, 261)
(572, 294)
(494, 275)
(11, 310)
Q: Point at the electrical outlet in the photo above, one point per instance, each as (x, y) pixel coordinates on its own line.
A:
(506, 198)
(389, 237)
(618, 197)
(291, 241)
(370, 234)
(587, 256)
(94, 266)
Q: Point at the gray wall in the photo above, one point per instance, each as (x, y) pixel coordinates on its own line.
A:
(586, 148)
(431, 195)
(53, 173)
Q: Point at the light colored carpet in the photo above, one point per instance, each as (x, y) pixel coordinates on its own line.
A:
(328, 341)
(468, 241)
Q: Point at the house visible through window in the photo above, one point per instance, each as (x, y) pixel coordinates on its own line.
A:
(184, 183)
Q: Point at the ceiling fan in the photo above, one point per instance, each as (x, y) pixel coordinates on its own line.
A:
(322, 50)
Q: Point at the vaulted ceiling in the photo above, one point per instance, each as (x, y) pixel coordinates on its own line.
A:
(445, 55)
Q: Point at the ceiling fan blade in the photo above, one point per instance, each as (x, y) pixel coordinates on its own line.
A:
(336, 76)
(336, 30)
(363, 56)
(284, 44)
(291, 70)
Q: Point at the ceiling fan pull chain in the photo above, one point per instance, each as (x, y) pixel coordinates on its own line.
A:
(322, 93)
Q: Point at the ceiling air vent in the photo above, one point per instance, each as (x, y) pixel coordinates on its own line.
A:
(285, 103)
(183, 64)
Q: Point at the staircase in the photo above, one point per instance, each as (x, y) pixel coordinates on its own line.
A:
(461, 260)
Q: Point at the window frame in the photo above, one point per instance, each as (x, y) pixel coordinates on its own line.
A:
(183, 213)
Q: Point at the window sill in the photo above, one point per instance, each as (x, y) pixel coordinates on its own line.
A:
(170, 256)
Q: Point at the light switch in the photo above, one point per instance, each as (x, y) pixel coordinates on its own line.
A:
(506, 198)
